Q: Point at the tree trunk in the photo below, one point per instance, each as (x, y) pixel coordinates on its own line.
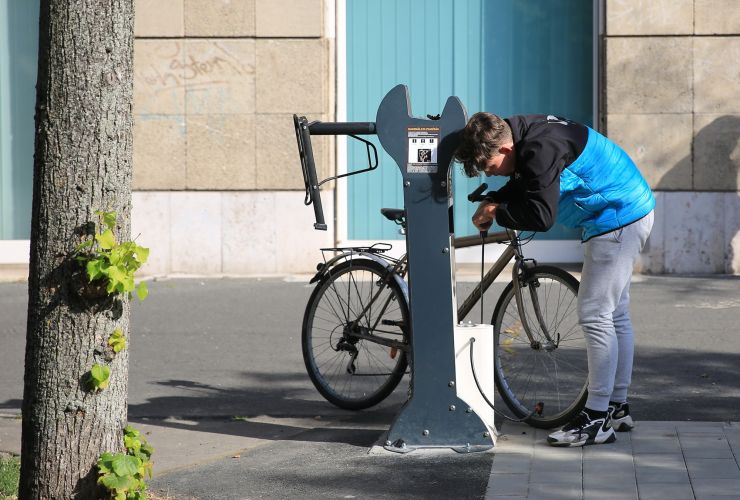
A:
(82, 163)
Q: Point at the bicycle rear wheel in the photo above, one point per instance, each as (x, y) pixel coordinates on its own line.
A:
(350, 372)
(550, 373)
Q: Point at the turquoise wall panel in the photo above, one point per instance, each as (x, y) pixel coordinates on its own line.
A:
(434, 47)
(538, 58)
(19, 30)
(502, 56)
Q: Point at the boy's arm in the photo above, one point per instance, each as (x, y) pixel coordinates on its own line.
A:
(502, 195)
(534, 206)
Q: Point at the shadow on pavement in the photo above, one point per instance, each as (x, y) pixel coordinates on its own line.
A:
(668, 384)
(270, 406)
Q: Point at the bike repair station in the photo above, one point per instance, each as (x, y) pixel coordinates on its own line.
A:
(445, 408)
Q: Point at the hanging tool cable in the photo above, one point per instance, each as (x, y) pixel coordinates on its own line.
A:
(538, 407)
(473, 197)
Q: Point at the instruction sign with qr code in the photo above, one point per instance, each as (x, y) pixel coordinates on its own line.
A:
(423, 143)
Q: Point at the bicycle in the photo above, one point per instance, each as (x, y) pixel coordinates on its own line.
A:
(355, 335)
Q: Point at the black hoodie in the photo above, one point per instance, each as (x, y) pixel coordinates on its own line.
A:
(543, 146)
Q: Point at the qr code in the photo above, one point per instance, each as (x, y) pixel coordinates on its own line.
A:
(424, 155)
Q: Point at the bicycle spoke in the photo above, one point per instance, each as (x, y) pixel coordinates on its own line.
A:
(553, 373)
(357, 296)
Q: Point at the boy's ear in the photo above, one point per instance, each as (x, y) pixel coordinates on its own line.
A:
(506, 150)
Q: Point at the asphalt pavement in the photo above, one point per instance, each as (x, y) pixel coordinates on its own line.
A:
(217, 380)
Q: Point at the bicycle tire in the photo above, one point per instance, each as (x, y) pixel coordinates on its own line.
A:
(344, 290)
(562, 393)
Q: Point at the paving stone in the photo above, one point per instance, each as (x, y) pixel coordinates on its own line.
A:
(562, 465)
(607, 480)
(660, 468)
(655, 445)
(606, 453)
(613, 459)
(713, 468)
(626, 491)
(650, 428)
(512, 463)
(705, 446)
(699, 427)
(662, 491)
(554, 492)
(716, 487)
(620, 469)
(509, 484)
(571, 477)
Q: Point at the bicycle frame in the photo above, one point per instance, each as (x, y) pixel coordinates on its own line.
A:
(395, 271)
(398, 268)
(513, 250)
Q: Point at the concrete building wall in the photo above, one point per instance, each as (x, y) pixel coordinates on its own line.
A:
(672, 99)
(217, 181)
(218, 185)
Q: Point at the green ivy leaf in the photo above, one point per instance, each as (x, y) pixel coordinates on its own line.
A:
(118, 484)
(105, 463)
(117, 340)
(146, 450)
(116, 278)
(109, 219)
(132, 444)
(125, 465)
(131, 431)
(114, 263)
(142, 254)
(142, 291)
(95, 268)
(99, 375)
(106, 239)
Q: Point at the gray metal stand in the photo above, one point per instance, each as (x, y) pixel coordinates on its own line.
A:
(434, 416)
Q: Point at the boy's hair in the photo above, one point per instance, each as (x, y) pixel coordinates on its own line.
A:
(480, 140)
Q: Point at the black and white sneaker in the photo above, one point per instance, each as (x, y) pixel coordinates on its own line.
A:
(619, 417)
(582, 431)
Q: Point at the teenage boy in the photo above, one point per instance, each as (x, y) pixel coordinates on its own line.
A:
(560, 170)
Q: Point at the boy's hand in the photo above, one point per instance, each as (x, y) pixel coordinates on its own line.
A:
(485, 215)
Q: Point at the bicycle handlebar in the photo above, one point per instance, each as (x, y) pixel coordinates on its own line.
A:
(476, 195)
(342, 128)
(303, 132)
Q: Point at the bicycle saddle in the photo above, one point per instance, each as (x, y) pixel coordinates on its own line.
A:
(395, 214)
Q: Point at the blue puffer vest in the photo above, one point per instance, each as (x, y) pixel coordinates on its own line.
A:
(602, 190)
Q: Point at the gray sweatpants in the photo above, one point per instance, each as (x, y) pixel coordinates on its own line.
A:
(603, 310)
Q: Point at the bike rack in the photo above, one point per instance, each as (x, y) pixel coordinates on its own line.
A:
(434, 416)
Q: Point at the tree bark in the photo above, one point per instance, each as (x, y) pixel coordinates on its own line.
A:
(82, 163)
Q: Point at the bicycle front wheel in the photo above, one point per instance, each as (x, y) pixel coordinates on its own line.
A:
(355, 335)
(549, 373)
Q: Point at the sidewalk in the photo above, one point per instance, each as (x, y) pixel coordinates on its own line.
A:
(218, 384)
(657, 460)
